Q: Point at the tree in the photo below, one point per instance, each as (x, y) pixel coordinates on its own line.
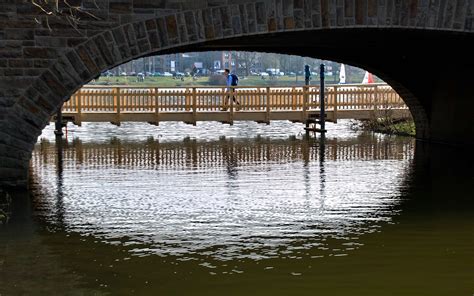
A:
(247, 60)
(62, 9)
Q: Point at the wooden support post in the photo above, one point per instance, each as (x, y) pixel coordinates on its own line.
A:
(376, 99)
(335, 104)
(304, 115)
(188, 100)
(157, 106)
(231, 110)
(268, 106)
(322, 105)
(59, 124)
(78, 119)
(194, 97)
(117, 99)
(294, 96)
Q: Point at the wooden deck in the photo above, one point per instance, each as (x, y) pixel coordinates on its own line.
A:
(118, 104)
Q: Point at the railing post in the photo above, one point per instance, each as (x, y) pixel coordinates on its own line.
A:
(304, 115)
(268, 106)
(335, 104)
(188, 101)
(194, 105)
(78, 120)
(118, 98)
(293, 98)
(59, 123)
(157, 108)
(231, 110)
(322, 117)
(376, 98)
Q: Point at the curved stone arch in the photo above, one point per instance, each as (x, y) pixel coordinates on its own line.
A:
(30, 113)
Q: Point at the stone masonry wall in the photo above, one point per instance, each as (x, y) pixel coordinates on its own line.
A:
(43, 60)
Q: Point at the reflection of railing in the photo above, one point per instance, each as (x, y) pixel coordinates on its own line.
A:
(191, 104)
(215, 154)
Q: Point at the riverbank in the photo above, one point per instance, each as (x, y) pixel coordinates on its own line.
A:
(386, 126)
(208, 81)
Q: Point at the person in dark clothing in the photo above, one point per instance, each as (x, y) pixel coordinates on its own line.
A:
(231, 80)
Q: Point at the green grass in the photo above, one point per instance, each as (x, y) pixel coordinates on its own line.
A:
(388, 126)
(204, 81)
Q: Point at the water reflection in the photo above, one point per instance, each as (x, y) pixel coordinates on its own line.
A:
(230, 198)
(265, 216)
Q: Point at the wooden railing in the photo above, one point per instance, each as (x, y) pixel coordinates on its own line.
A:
(187, 102)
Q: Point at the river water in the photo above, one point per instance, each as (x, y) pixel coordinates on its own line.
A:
(247, 209)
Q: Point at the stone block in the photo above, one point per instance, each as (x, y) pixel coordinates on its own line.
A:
(104, 51)
(226, 18)
(119, 36)
(172, 27)
(162, 33)
(144, 46)
(236, 25)
(19, 34)
(243, 18)
(190, 26)
(217, 22)
(153, 39)
(287, 7)
(299, 19)
(140, 31)
(183, 36)
(150, 24)
(56, 86)
(289, 23)
(260, 13)
(40, 52)
(20, 63)
(251, 18)
(87, 60)
(120, 7)
(129, 33)
(149, 4)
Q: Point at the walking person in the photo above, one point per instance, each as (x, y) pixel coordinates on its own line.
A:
(231, 80)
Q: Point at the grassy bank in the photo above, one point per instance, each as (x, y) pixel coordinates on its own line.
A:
(206, 81)
(387, 126)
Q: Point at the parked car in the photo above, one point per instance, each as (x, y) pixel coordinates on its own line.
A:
(156, 74)
(123, 74)
(167, 74)
(107, 74)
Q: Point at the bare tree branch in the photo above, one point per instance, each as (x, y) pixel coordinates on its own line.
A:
(62, 8)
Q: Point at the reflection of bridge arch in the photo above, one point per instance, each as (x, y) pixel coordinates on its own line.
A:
(214, 154)
(46, 67)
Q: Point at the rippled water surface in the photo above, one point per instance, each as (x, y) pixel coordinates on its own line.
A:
(247, 209)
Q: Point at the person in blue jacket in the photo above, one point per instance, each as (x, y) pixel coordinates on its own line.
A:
(231, 80)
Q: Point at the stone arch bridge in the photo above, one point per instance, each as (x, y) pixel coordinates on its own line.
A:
(422, 48)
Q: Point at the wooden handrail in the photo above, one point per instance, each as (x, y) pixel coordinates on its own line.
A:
(260, 103)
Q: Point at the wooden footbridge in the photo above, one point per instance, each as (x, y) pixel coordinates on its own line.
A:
(118, 104)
